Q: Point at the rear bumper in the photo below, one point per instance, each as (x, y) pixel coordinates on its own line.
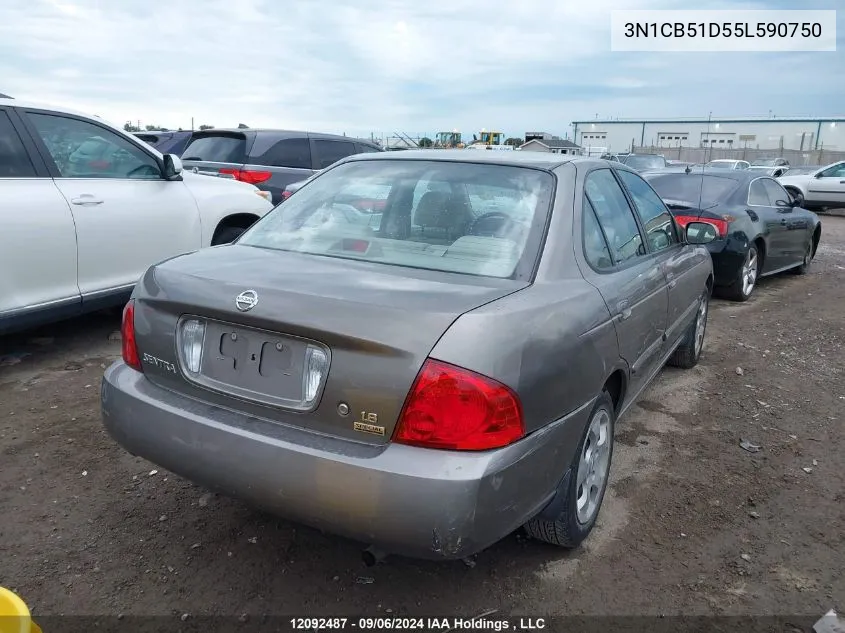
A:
(728, 255)
(417, 502)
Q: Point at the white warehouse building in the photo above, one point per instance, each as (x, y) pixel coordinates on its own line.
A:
(617, 135)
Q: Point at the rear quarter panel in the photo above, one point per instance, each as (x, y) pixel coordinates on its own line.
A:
(553, 343)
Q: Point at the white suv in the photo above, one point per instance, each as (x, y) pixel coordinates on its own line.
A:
(86, 208)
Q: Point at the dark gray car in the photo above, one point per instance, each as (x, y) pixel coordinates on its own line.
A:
(268, 159)
(427, 371)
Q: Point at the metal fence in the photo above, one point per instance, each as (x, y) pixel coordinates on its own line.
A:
(703, 154)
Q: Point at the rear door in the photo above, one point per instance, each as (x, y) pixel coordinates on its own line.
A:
(38, 239)
(799, 230)
(632, 285)
(828, 187)
(663, 241)
(216, 152)
(777, 240)
(285, 159)
(127, 216)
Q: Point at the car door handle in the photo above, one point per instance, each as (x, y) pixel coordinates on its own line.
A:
(624, 311)
(86, 200)
(673, 283)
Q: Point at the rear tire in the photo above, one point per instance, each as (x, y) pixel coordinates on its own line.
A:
(226, 235)
(747, 276)
(689, 351)
(804, 268)
(592, 467)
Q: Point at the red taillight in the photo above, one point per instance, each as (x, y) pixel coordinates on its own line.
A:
(454, 408)
(129, 347)
(247, 175)
(721, 226)
(286, 194)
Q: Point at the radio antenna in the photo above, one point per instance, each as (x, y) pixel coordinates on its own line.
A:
(706, 160)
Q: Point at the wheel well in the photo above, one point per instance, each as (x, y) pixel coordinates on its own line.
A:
(615, 386)
(760, 243)
(817, 236)
(237, 220)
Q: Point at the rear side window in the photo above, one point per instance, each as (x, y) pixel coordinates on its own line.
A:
(14, 161)
(595, 246)
(659, 227)
(757, 195)
(367, 149)
(329, 152)
(217, 149)
(777, 195)
(288, 152)
(615, 215)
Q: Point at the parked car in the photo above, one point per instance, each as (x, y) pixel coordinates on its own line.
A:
(291, 189)
(774, 172)
(89, 207)
(167, 142)
(644, 162)
(269, 159)
(761, 230)
(770, 162)
(726, 163)
(821, 189)
(360, 378)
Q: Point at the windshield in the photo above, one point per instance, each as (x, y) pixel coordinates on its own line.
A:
(641, 163)
(438, 215)
(688, 188)
(769, 162)
(721, 164)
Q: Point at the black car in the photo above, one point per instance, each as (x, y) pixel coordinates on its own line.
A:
(168, 142)
(761, 229)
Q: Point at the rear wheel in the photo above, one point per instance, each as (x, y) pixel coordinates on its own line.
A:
(804, 268)
(689, 351)
(589, 474)
(746, 281)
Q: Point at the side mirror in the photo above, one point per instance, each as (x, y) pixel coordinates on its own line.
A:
(700, 233)
(172, 167)
(819, 175)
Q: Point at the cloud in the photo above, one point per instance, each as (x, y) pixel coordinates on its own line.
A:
(382, 66)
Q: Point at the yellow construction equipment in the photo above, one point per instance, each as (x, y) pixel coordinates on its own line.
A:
(449, 140)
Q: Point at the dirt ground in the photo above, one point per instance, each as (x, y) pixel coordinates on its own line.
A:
(692, 524)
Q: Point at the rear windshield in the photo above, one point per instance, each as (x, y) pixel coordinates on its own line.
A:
(688, 188)
(641, 163)
(437, 215)
(217, 149)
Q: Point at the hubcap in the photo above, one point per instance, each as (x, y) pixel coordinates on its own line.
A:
(749, 272)
(701, 324)
(593, 467)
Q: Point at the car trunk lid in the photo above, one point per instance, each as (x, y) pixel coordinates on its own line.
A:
(377, 324)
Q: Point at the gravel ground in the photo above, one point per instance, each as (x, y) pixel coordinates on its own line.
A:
(692, 524)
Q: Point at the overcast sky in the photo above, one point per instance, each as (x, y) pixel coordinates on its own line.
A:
(380, 66)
